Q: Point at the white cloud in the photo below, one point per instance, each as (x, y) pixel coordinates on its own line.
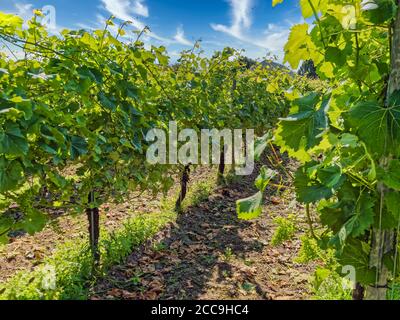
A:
(125, 9)
(180, 37)
(272, 40)
(241, 18)
(24, 10)
(140, 9)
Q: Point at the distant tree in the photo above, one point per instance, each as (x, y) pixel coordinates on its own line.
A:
(308, 70)
(248, 62)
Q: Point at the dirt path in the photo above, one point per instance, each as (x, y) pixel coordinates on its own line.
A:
(209, 254)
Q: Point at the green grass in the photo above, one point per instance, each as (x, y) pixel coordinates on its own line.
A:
(199, 192)
(68, 274)
(73, 263)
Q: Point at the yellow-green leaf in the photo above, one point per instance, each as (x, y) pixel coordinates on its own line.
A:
(276, 2)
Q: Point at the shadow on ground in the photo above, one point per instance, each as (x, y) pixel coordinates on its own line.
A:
(208, 253)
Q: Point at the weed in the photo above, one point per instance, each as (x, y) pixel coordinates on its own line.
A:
(285, 231)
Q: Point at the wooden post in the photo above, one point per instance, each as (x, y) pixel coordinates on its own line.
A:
(93, 216)
(221, 168)
(383, 240)
(184, 182)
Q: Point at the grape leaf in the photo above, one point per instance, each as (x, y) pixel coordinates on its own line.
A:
(250, 207)
(391, 218)
(363, 216)
(78, 147)
(377, 126)
(391, 176)
(10, 174)
(10, 21)
(308, 7)
(12, 142)
(320, 184)
(4, 239)
(266, 175)
(392, 200)
(90, 73)
(335, 214)
(33, 222)
(299, 46)
(276, 2)
(261, 144)
(356, 254)
(361, 219)
(380, 11)
(303, 129)
(107, 102)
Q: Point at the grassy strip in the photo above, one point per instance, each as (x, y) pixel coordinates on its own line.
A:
(68, 273)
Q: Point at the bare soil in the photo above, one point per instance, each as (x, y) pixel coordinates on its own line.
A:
(25, 252)
(208, 253)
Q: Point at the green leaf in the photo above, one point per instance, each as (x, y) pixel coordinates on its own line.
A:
(377, 126)
(33, 222)
(321, 274)
(326, 69)
(297, 47)
(143, 71)
(10, 21)
(78, 147)
(162, 59)
(107, 102)
(23, 105)
(48, 149)
(11, 174)
(380, 11)
(250, 208)
(58, 180)
(335, 56)
(12, 141)
(261, 144)
(276, 2)
(303, 129)
(6, 224)
(52, 134)
(265, 177)
(4, 239)
(84, 85)
(360, 220)
(349, 140)
(391, 177)
(363, 216)
(335, 214)
(391, 219)
(356, 254)
(331, 176)
(307, 7)
(90, 73)
(314, 183)
(392, 200)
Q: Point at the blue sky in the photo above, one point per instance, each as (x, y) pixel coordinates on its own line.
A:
(252, 25)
